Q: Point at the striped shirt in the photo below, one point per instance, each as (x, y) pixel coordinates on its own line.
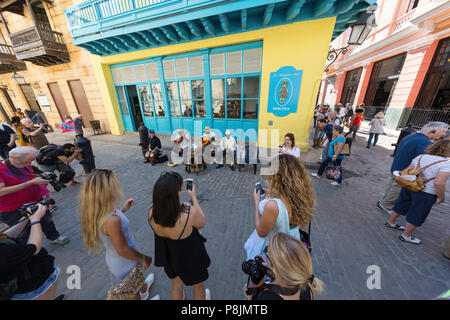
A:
(432, 171)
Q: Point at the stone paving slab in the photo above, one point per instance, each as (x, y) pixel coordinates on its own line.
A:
(347, 233)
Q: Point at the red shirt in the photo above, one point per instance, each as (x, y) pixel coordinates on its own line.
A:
(357, 120)
(14, 201)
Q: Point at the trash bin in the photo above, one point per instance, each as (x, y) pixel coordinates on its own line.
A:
(403, 133)
(87, 155)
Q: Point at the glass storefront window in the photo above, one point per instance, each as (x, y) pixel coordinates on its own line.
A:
(200, 111)
(156, 91)
(172, 90)
(233, 88)
(234, 109)
(251, 87)
(185, 90)
(186, 108)
(144, 94)
(198, 89)
(250, 109)
(174, 108)
(218, 88)
(219, 108)
(159, 108)
(122, 101)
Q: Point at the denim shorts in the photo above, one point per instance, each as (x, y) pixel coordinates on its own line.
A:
(414, 205)
(37, 292)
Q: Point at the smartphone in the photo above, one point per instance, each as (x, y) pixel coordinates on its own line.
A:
(259, 187)
(189, 183)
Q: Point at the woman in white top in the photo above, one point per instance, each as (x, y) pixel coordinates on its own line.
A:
(287, 205)
(376, 128)
(289, 146)
(435, 170)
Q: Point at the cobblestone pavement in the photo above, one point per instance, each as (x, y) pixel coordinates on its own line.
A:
(347, 233)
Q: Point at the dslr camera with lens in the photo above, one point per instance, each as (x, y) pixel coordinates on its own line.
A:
(255, 269)
(53, 180)
(33, 206)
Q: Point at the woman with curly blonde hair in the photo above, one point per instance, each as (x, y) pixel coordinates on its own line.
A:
(287, 205)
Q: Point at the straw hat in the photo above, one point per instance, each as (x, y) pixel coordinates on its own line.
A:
(379, 115)
(171, 164)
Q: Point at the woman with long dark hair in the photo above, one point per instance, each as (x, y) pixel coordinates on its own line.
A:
(179, 247)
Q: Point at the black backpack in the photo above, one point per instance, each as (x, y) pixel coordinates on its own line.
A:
(47, 155)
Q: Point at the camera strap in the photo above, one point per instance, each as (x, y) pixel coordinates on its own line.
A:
(14, 169)
(280, 290)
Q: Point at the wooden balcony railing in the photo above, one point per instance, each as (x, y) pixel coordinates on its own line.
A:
(8, 60)
(36, 41)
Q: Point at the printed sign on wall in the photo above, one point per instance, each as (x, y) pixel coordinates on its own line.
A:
(284, 91)
(43, 101)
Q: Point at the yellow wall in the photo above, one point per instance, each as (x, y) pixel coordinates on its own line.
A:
(303, 45)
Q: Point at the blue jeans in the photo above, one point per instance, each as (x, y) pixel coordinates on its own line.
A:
(44, 287)
(371, 136)
(325, 163)
(48, 227)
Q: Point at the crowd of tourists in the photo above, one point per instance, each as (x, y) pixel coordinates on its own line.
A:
(278, 251)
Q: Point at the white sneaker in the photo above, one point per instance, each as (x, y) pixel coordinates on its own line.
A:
(157, 297)
(61, 240)
(207, 294)
(335, 183)
(315, 175)
(412, 240)
(149, 281)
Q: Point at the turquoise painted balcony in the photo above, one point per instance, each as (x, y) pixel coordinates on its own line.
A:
(106, 27)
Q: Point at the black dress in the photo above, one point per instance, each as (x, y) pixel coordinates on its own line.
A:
(186, 258)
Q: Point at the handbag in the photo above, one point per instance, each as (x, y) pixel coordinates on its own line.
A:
(333, 171)
(127, 288)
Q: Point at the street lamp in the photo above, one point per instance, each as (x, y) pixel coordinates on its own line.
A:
(360, 30)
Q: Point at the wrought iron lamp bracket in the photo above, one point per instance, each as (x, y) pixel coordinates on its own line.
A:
(333, 54)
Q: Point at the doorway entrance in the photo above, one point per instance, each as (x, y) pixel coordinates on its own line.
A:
(133, 102)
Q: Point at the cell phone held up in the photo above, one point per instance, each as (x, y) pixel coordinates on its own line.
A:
(259, 187)
(189, 183)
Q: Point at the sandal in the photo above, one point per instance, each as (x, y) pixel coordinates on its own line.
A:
(412, 240)
(394, 226)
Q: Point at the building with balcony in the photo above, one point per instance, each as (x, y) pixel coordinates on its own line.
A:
(402, 68)
(40, 69)
(244, 65)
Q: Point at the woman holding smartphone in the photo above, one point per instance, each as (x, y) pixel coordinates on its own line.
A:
(179, 247)
(287, 205)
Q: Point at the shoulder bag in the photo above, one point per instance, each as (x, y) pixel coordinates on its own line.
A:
(418, 184)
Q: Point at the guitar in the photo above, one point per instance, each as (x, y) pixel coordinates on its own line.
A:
(178, 141)
(207, 141)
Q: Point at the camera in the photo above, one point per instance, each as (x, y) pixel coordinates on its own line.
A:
(33, 206)
(255, 269)
(52, 177)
